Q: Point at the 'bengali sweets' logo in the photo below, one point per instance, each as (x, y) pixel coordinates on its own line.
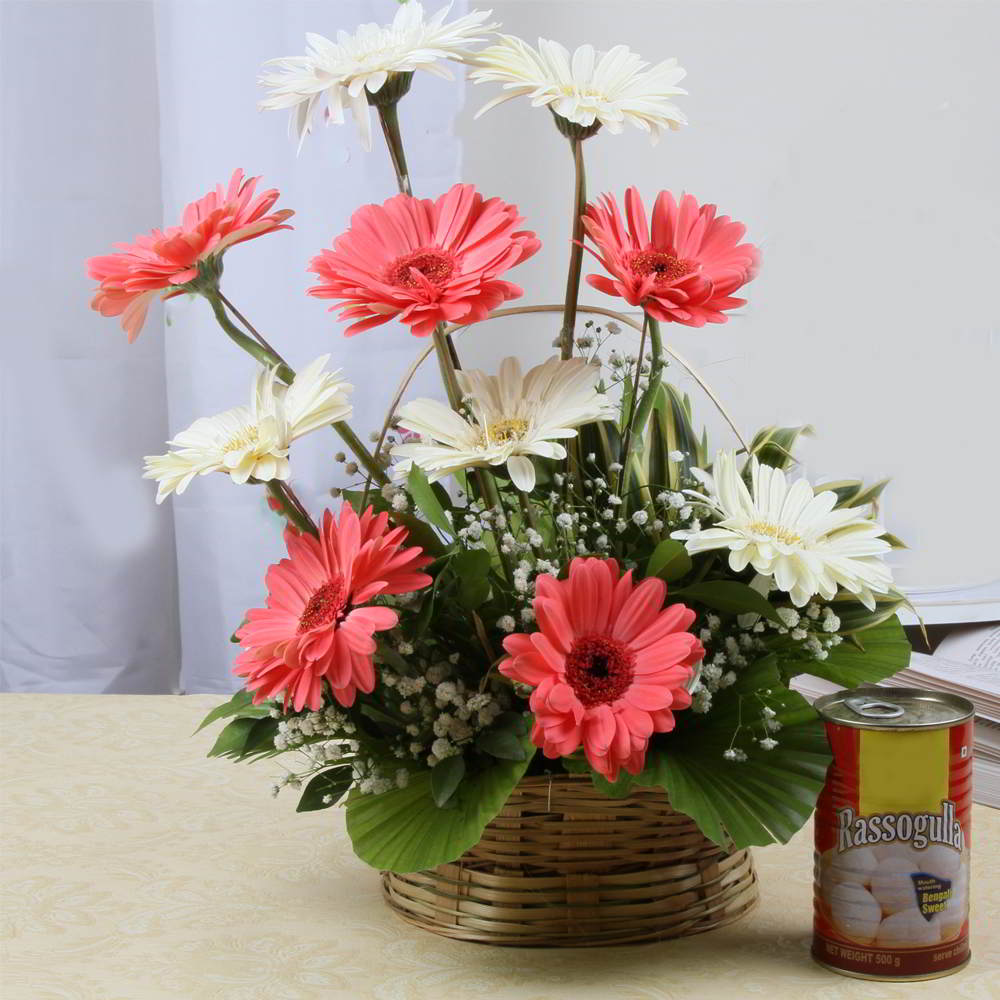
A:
(918, 829)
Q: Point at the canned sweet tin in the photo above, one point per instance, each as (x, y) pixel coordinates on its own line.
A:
(892, 834)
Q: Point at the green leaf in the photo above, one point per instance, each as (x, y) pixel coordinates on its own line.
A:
(240, 704)
(472, 564)
(404, 831)
(870, 494)
(502, 743)
(613, 789)
(474, 593)
(774, 445)
(728, 595)
(762, 800)
(246, 739)
(446, 776)
(669, 561)
(886, 651)
(427, 500)
(232, 739)
(893, 541)
(333, 782)
(855, 617)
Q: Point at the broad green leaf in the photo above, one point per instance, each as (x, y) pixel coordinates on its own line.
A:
(246, 737)
(870, 494)
(656, 450)
(240, 704)
(471, 563)
(502, 743)
(427, 500)
(728, 595)
(404, 831)
(885, 652)
(845, 489)
(762, 800)
(669, 561)
(603, 438)
(855, 617)
(446, 776)
(473, 593)
(232, 739)
(614, 789)
(775, 445)
(334, 782)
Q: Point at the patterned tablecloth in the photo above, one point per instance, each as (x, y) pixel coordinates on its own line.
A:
(136, 869)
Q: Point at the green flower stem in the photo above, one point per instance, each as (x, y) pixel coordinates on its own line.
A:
(363, 455)
(633, 410)
(265, 355)
(389, 118)
(270, 358)
(253, 330)
(291, 507)
(655, 373)
(575, 253)
(448, 367)
(491, 495)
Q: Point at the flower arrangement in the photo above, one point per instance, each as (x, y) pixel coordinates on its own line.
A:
(546, 570)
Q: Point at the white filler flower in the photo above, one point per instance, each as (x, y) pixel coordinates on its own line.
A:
(609, 88)
(253, 441)
(791, 533)
(343, 71)
(514, 415)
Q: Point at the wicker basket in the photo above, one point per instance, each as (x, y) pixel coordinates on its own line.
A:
(564, 866)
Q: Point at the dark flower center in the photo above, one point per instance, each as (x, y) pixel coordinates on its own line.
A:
(435, 264)
(325, 606)
(663, 267)
(599, 669)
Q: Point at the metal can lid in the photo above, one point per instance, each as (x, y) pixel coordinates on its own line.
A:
(874, 707)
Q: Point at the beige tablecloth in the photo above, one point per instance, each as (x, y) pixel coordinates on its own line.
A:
(136, 869)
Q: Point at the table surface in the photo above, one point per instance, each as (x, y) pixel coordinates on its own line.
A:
(136, 869)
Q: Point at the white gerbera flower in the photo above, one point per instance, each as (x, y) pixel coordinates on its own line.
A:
(355, 65)
(791, 533)
(513, 416)
(609, 88)
(253, 441)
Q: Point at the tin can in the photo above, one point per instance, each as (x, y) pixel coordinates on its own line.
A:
(891, 877)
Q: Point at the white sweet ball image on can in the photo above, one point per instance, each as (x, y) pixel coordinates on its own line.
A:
(907, 929)
(857, 865)
(854, 912)
(892, 885)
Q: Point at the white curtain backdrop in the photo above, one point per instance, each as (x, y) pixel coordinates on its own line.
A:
(857, 140)
(155, 103)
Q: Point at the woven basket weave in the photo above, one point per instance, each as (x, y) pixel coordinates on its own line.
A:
(564, 866)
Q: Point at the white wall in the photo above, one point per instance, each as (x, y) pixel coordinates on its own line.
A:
(858, 142)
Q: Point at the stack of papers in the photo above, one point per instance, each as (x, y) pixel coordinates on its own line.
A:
(966, 663)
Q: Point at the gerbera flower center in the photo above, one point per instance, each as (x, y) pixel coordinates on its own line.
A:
(503, 431)
(435, 264)
(599, 669)
(662, 266)
(325, 606)
(245, 438)
(771, 530)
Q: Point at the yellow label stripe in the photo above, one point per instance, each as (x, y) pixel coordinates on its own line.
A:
(902, 772)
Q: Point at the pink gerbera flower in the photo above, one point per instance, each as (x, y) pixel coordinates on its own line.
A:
(425, 262)
(165, 260)
(314, 628)
(685, 271)
(609, 664)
